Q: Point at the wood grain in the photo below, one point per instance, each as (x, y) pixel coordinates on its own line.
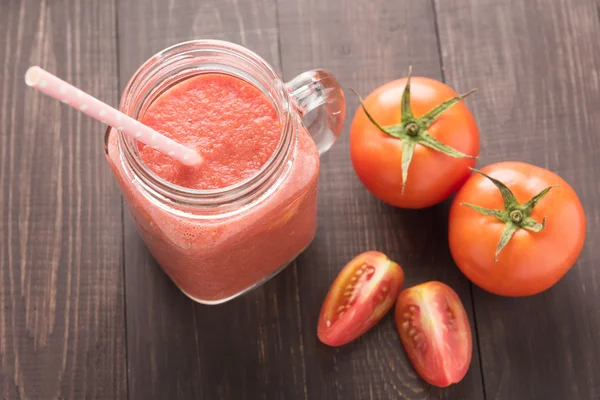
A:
(61, 293)
(63, 333)
(250, 348)
(536, 64)
(366, 44)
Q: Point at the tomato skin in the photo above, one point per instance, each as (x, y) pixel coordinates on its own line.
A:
(435, 332)
(531, 262)
(432, 176)
(367, 296)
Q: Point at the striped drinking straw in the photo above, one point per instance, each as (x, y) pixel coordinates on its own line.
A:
(58, 89)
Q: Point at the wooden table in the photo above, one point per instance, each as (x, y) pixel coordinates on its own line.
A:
(85, 313)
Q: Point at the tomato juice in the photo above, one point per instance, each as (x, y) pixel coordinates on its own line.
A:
(237, 129)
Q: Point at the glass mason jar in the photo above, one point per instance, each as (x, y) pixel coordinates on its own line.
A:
(217, 244)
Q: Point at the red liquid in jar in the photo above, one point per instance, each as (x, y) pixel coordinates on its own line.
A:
(231, 123)
(236, 129)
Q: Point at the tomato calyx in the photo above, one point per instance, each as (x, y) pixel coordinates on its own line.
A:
(412, 130)
(514, 214)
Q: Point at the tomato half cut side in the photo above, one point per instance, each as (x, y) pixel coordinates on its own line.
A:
(435, 332)
(362, 293)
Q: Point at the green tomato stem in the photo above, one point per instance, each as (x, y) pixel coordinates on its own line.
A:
(413, 131)
(515, 216)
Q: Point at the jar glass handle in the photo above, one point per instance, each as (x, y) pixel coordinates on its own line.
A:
(320, 102)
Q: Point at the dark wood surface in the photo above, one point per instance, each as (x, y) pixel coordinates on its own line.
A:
(62, 321)
(539, 101)
(86, 313)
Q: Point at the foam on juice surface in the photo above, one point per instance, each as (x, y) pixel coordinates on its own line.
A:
(229, 121)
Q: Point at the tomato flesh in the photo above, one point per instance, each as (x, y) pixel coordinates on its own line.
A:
(435, 332)
(363, 292)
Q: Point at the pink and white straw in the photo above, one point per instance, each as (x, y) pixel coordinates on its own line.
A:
(55, 87)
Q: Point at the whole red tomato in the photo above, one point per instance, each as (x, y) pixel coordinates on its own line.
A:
(516, 230)
(435, 332)
(363, 292)
(416, 148)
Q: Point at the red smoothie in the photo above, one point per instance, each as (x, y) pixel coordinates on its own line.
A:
(236, 129)
(231, 123)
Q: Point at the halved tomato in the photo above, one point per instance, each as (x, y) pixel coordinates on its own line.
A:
(363, 292)
(435, 332)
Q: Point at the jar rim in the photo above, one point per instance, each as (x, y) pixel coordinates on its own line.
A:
(155, 65)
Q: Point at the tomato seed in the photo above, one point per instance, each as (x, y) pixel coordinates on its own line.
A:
(405, 325)
(385, 289)
(412, 332)
(341, 308)
(364, 266)
(406, 315)
(359, 272)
